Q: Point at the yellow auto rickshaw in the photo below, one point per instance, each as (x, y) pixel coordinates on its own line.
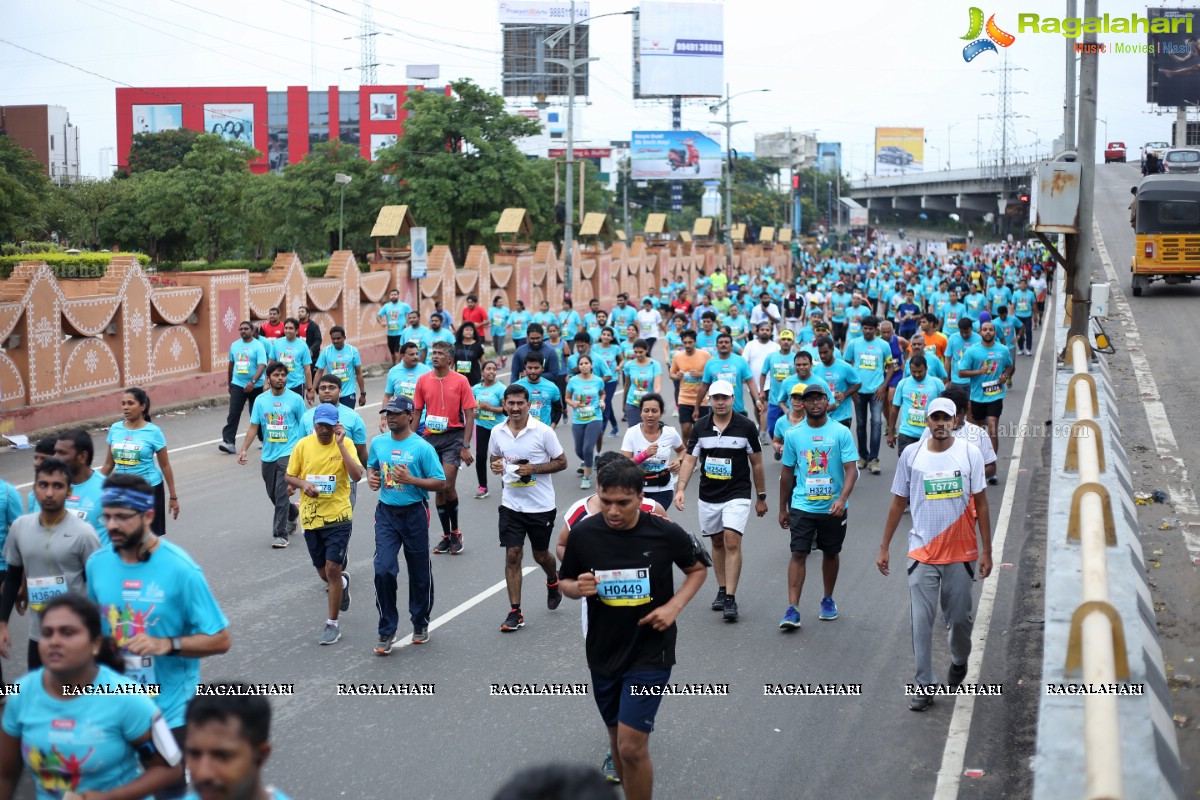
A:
(1165, 214)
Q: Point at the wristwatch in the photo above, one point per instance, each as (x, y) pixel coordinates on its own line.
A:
(762, 495)
(176, 645)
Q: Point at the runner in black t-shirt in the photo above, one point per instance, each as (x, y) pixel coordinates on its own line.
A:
(725, 446)
(620, 560)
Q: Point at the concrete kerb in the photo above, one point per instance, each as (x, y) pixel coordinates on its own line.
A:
(1151, 766)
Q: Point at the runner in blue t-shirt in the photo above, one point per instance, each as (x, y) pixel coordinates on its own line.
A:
(498, 316)
(727, 366)
(343, 361)
(642, 376)
(393, 314)
(489, 411)
(519, 321)
(137, 446)
(279, 414)
(585, 396)
(989, 365)
(912, 399)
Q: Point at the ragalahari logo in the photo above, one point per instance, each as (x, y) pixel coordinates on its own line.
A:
(995, 36)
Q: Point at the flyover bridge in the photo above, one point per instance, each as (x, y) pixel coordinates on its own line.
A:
(994, 189)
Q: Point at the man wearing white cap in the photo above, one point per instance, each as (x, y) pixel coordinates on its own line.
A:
(942, 480)
(726, 446)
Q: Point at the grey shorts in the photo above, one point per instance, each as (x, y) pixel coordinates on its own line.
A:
(448, 445)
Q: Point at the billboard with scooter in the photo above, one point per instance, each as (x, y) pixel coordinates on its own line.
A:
(674, 155)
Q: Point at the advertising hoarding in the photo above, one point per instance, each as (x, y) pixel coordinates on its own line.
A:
(543, 12)
(674, 155)
(152, 119)
(380, 141)
(829, 156)
(233, 122)
(418, 241)
(680, 50)
(1173, 61)
(384, 107)
(899, 151)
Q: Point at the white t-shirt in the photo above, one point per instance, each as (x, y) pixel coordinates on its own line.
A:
(536, 443)
(648, 322)
(940, 488)
(755, 353)
(668, 441)
(973, 434)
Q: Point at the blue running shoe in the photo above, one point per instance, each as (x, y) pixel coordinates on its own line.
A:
(828, 609)
(791, 619)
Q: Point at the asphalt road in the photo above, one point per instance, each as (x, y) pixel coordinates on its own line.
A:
(462, 742)
(1166, 319)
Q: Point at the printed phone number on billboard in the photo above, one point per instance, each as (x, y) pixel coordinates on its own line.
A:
(699, 47)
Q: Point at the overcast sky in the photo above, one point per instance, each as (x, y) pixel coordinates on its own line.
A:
(840, 68)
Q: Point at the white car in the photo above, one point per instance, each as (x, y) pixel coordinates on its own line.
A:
(1181, 161)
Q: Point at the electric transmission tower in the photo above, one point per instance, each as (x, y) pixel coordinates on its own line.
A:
(1004, 135)
(366, 36)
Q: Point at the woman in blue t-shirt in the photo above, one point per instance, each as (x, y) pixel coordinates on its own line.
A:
(77, 723)
(134, 442)
(611, 355)
(642, 376)
(561, 348)
(489, 399)
(519, 322)
(585, 396)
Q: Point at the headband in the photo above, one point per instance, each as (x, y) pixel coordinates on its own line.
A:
(126, 498)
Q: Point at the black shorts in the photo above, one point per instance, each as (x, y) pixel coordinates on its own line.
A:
(1041, 306)
(686, 414)
(448, 445)
(329, 543)
(393, 344)
(824, 531)
(516, 525)
(839, 331)
(985, 410)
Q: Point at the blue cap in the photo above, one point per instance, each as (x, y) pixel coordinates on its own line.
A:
(326, 414)
(399, 404)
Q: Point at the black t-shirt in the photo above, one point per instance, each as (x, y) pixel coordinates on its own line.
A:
(472, 353)
(723, 458)
(638, 580)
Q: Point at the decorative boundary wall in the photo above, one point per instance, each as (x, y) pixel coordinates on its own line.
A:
(68, 345)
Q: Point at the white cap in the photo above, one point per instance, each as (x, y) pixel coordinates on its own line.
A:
(722, 388)
(942, 404)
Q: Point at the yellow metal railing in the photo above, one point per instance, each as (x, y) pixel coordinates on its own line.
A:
(1096, 648)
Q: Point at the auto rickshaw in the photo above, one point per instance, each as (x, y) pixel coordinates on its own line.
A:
(1165, 215)
(956, 243)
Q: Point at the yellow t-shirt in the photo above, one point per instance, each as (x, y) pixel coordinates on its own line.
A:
(322, 466)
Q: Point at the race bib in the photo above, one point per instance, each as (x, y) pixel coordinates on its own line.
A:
(855, 327)
(691, 377)
(991, 388)
(339, 368)
(623, 587)
(535, 409)
(486, 416)
(277, 433)
(139, 668)
(1023, 306)
(288, 360)
(463, 367)
(647, 330)
(43, 590)
(818, 489)
(325, 484)
(916, 417)
(585, 414)
(720, 469)
(127, 454)
(781, 371)
(943, 485)
(436, 424)
(868, 361)
(242, 366)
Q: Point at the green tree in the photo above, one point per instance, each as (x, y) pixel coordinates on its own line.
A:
(265, 205)
(23, 190)
(457, 164)
(214, 175)
(80, 208)
(538, 198)
(152, 217)
(160, 151)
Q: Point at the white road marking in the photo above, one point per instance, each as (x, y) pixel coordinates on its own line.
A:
(955, 752)
(1179, 488)
(464, 607)
(209, 443)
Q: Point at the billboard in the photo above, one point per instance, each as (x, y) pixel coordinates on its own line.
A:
(527, 70)
(384, 107)
(380, 141)
(152, 119)
(674, 155)
(829, 156)
(679, 50)
(543, 12)
(1173, 63)
(231, 121)
(899, 151)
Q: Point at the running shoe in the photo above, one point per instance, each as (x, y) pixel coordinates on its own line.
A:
(873, 466)
(992, 481)
(718, 604)
(291, 528)
(384, 645)
(731, 611)
(862, 463)
(345, 606)
(421, 635)
(828, 609)
(442, 547)
(456, 545)
(956, 674)
(553, 595)
(585, 483)
(481, 492)
(227, 447)
(331, 634)
(614, 434)
(279, 542)
(579, 470)
(513, 621)
(609, 769)
(791, 619)
(920, 702)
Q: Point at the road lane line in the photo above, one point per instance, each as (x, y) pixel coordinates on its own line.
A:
(464, 606)
(173, 450)
(955, 752)
(1179, 488)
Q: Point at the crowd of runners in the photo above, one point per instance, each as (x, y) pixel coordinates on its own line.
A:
(693, 384)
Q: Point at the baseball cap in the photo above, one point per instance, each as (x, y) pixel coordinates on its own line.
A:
(816, 387)
(942, 404)
(787, 334)
(399, 404)
(724, 388)
(840, 283)
(326, 414)
(798, 389)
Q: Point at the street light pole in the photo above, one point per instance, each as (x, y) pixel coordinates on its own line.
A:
(728, 126)
(341, 179)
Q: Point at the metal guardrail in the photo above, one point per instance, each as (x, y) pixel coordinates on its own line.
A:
(1096, 648)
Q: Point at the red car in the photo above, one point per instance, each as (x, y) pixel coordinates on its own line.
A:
(1115, 151)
